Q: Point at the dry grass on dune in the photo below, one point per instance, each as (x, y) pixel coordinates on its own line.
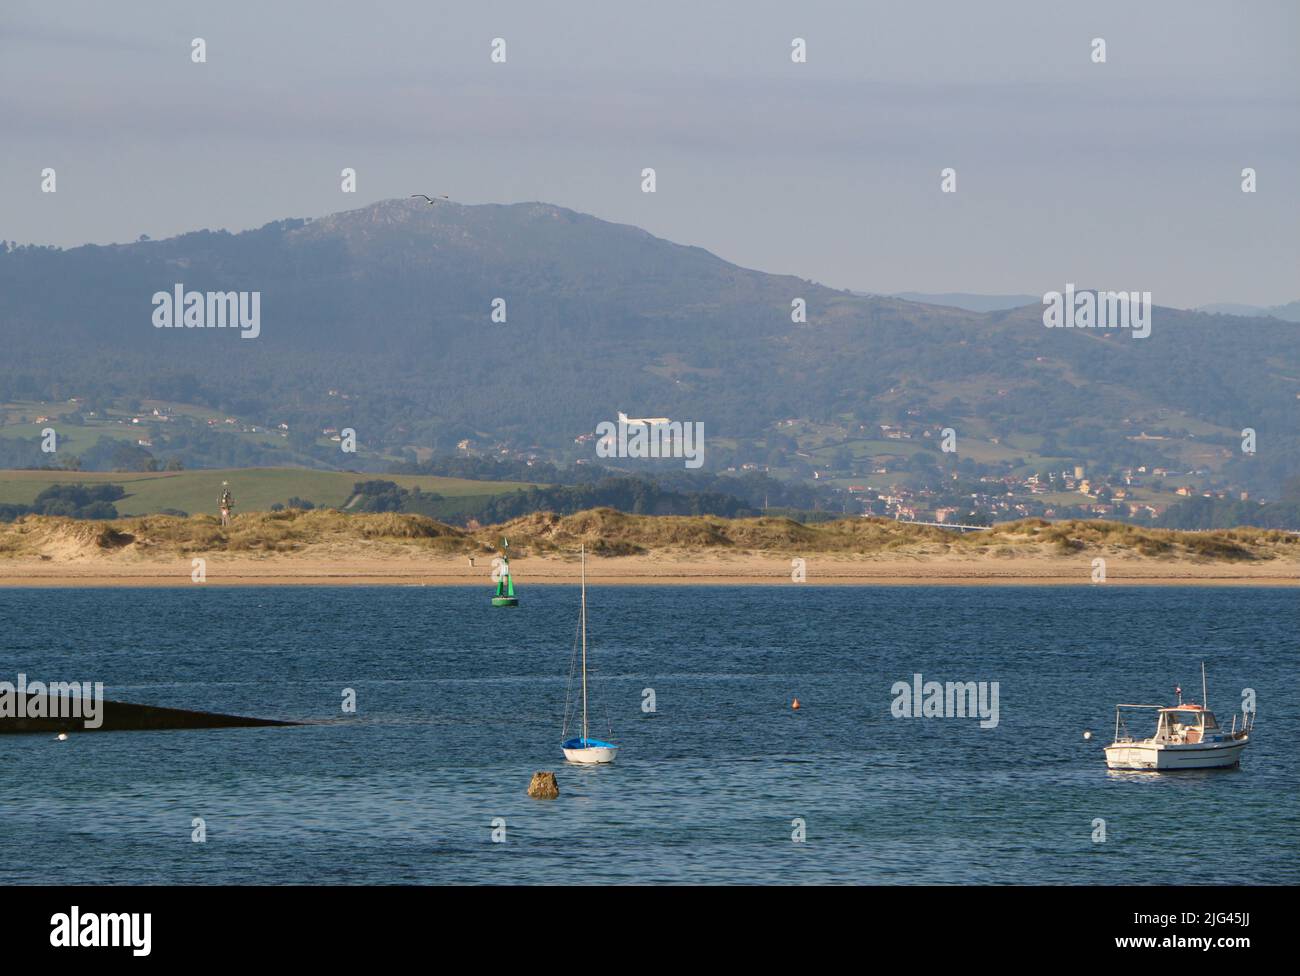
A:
(1065, 538)
(609, 533)
(289, 531)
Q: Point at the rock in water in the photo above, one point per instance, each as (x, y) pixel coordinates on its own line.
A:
(543, 787)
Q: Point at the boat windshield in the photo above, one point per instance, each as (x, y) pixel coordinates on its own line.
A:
(1176, 721)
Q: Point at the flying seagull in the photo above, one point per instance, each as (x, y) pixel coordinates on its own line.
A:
(432, 200)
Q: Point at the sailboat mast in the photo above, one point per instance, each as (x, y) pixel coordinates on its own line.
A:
(584, 646)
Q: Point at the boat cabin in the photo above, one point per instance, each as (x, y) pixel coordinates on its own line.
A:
(1185, 724)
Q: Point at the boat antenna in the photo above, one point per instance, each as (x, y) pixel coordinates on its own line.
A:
(1205, 699)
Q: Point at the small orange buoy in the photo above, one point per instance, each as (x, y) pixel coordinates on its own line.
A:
(795, 704)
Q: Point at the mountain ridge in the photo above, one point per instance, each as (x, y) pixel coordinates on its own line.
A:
(391, 304)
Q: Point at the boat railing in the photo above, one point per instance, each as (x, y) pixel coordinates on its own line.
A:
(1122, 734)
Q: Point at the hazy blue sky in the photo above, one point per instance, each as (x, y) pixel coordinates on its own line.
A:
(1124, 175)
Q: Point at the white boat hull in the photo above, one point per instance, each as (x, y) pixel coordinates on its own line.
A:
(1162, 756)
(591, 755)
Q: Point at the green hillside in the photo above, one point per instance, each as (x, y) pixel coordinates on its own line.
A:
(255, 489)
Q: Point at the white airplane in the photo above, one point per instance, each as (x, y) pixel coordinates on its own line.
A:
(642, 421)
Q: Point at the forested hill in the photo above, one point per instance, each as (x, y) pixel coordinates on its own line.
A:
(391, 305)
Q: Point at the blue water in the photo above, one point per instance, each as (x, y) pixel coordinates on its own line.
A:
(459, 703)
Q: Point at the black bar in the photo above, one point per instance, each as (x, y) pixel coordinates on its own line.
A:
(934, 926)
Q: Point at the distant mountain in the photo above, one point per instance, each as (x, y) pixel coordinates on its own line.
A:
(997, 303)
(1290, 312)
(971, 303)
(379, 319)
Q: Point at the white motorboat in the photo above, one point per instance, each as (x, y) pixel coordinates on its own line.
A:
(1187, 736)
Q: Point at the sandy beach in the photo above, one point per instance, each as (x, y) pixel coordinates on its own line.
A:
(729, 569)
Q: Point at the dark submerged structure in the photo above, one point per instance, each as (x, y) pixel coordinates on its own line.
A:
(123, 717)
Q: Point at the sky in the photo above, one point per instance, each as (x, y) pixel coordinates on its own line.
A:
(1123, 175)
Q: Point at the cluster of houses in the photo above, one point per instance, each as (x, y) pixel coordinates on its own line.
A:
(1073, 495)
(166, 415)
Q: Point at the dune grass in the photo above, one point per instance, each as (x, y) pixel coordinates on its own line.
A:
(605, 532)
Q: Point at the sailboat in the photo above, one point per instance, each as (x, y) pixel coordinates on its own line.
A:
(582, 748)
(505, 595)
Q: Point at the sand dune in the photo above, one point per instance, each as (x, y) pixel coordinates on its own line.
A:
(331, 548)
